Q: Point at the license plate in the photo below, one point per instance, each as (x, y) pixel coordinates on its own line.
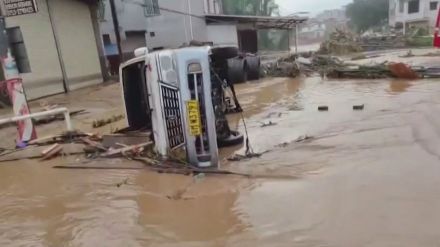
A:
(195, 124)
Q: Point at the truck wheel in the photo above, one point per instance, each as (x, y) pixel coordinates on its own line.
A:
(235, 138)
(237, 70)
(224, 53)
(253, 67)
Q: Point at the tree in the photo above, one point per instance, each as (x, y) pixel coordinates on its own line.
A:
(364, 14)
(268, 39)
(250, 7)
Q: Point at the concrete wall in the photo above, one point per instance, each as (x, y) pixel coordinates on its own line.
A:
(46, 77)
(223, 34)
(172, 29)
(78, 47)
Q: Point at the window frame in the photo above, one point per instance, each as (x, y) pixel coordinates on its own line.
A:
(151, 8)
(431, 5)
(412, 8)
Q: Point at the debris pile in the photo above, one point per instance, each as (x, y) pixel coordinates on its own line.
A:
(340, 42)
(388, 41)
(97, 151)
(283, 67)
(333, 67)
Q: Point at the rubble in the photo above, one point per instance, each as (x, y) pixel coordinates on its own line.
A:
(358, 107)
(401, 70)
(284, 67)
(333, 67)
(323, 108)
(340, 42)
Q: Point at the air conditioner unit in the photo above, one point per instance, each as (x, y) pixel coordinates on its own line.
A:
(168, 93)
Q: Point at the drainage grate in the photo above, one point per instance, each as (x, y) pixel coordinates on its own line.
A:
(173, 119)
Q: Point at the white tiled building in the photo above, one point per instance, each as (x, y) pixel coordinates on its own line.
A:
(409, 13)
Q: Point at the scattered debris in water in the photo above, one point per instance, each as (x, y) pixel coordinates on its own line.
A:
(358, 107)
(270, 123)
(125, 182)
(323, 108)
(340, 42)
(304, 138)
(408, 54)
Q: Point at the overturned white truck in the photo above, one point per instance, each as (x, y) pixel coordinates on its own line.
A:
(170, 94)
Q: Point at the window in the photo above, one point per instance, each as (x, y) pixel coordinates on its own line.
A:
(413, 6)
(433, 5)
(151, 8)
(401, 6)
(106, 39)
(101, 11)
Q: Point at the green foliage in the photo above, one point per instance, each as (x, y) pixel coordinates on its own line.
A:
(267, 39)
(420, 41)
(365, 14)
(273, 40)
(250, 7)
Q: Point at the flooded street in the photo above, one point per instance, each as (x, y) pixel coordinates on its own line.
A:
(340, 178)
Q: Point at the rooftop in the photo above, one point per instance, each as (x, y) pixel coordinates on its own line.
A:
(260, 22)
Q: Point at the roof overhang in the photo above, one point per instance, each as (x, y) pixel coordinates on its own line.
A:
(89, 1)
(260, 22)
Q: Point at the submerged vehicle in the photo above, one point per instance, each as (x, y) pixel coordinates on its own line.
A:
(178, 97)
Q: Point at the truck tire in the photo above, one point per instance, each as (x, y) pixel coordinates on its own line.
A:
(237, 70)
(253, 67)
(224, 53)
(235, 138)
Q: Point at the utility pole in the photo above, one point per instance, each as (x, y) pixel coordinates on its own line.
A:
(58, 46)
(10, 77)
(98, 39)
(116, 27)
(190, 19)
(296, 38)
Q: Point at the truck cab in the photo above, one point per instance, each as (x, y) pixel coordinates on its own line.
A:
(168, 93)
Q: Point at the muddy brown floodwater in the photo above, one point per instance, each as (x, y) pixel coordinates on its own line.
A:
(363, 178)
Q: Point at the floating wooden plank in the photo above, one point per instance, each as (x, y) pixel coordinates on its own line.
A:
(94, 144)
(51, 152)
(111, 141)
(126, 149)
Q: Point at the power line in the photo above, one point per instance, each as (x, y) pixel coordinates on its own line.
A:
(175, 11)
(189, 14)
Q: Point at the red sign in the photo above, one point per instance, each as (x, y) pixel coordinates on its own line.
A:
(437, 31)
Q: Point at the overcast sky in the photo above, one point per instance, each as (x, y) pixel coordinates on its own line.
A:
(312, 6)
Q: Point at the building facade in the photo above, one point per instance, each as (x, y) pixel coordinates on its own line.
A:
(169, 24)
(413, 13)
(62, 47)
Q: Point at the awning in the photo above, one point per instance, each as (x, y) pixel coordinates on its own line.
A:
(260, 22)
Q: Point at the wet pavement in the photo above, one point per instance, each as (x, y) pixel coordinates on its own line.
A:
(361, 178)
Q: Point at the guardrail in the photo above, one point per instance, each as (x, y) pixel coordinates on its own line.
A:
(56, 111)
